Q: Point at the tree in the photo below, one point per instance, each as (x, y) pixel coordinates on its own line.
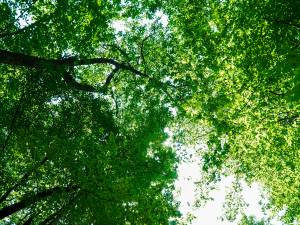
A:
(251, 221)
(245, 58)
(84, 106)
(82, 117)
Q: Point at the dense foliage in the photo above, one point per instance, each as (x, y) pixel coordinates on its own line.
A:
(82, 120)
(247, 70)
(87, 89)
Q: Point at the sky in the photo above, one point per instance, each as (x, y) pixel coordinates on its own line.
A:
(211, 213)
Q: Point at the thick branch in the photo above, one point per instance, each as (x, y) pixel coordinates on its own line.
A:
(27, 201)
(19, 59)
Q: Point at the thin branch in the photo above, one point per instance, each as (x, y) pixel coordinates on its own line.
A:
(19, 31)
(116, 102)
(12, 23)
(24, 219)
(70, 80)
(117, 64)
(288, 119)
(19, 59)
(110, 76)
(275, 93)
(29, 220)
(32, 25)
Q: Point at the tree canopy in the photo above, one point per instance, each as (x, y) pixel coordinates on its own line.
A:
(248, 74)
(88, 88)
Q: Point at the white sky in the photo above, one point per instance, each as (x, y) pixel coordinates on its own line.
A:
(189, 172)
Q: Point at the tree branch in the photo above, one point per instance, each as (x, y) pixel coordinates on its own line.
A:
(275, 93)
(54, 216)
(125, 54)
(19, 59)
(7, 34)
(289, 23)
(27, 201)
(29, 220)
(70, 80)
(22, 180)
(109, 79)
